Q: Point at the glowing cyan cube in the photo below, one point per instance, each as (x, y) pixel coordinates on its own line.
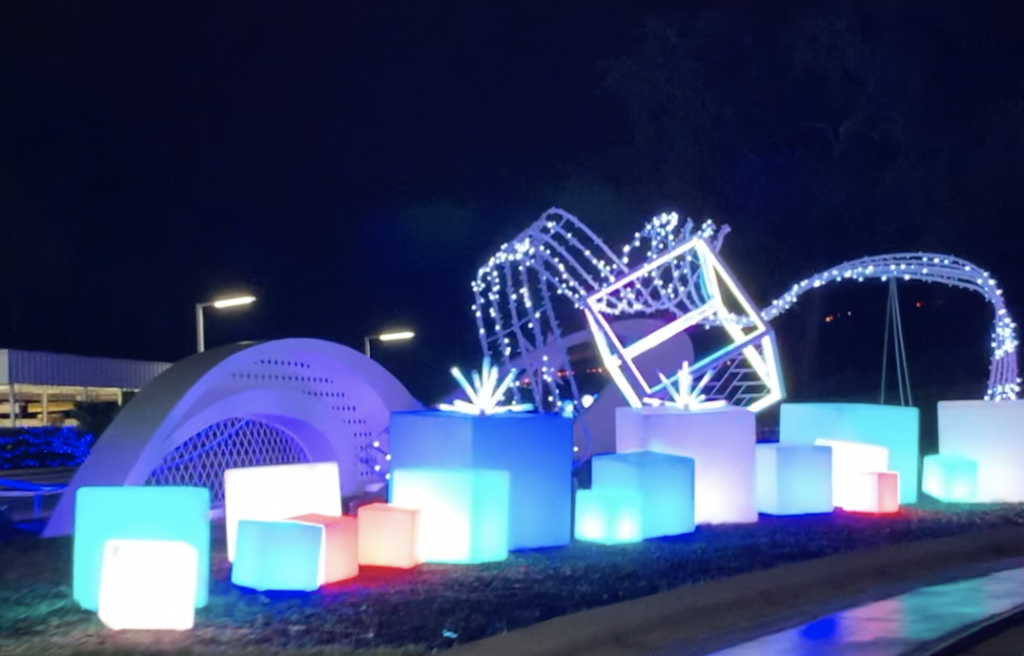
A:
(949, 477)
(849, 461)
(148, 584)
(165, 513)
(339, 547)
(991, 433)
(387, 536)
(609, 515)
(873, 492)
(281, 555)
(464, 513)
(535, 449)
(721, 441)
(794, 479)
(889, 426)
(665, 484)
(279, 492)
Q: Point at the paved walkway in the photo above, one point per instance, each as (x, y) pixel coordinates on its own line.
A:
(897, 625)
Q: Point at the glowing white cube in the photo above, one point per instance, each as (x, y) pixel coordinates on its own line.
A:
(849, 461)
(872, 492)
(279, 492)
(794, 479)
(991, 433)
(148, 584)
(721, 441)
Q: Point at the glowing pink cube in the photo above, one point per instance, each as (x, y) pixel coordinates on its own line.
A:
(873, 492)
(338, 547)
(387, 536)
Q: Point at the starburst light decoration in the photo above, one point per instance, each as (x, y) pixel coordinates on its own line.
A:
(485, 393)
(683, 395)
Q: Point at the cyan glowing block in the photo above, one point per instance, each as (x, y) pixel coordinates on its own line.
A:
(991, 433)
(873, 492)
(148, 584)
(892, 427)
(387, 536)
(179, 514)
(535, 449)
(279, 492)
(339, 548)
(849, 461)
(283, 556)
(464, 513)
(721, 441)
(794, 479)
(609, 515)
(950, 478)
(665, 484)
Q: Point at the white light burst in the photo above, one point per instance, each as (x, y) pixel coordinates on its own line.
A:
(684, 395)
(485, 393)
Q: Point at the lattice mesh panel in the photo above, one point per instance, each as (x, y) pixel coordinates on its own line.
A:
(236, 442)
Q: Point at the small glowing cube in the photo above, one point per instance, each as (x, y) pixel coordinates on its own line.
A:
(279, 492)
(148, 584)
(872, 492)
(281, 555)
(387, 536)
(463, 512)
(794, 479)
(339, 549)
(166, 513)
(849, 460)
(665, 484)
(609, 515)
(950, 477)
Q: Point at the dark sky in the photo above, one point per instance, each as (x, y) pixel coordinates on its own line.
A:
(349, 163)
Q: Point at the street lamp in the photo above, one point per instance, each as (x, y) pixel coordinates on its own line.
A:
(398, 336)
(219, 304)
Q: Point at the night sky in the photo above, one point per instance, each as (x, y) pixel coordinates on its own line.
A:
(352, 164)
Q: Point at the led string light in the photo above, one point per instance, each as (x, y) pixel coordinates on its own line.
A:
(684, 395)
(485, 393)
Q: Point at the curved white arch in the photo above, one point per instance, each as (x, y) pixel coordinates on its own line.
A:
(1003, 381)
(332, 399)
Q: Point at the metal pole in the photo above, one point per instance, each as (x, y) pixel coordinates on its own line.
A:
(200, 338)
(46, 408)
(14, 407)
(366, 346)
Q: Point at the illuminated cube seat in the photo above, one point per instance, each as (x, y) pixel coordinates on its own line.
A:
(665, 484)
(279, 555)
(339, 547)
(849, 461)
(873, 492)
(166, 513)
(464, 513)
(893, 427)
(148, 584)
(535, 449)
(794, 479)
(721, 442)
(609, 515)
(991, 433)
(950, 477)
(279, 492)
(387, 536)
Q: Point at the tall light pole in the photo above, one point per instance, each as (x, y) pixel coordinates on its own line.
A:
(398, 336)
(220, 304)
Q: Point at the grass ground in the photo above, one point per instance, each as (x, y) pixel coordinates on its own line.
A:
(435, 607)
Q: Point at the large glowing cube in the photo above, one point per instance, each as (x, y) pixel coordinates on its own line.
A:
(387, 536)
(794, 479)
(873, 492)
(991, 433)
(949, 477)
(339, 547)
(180, 514)
(609, 515)
(665, 484)
(280, 555)
(721, 441)
(849, 461)
(279, 492)
(148, 584)
(893, 427)
(464, 513)
(535, 449)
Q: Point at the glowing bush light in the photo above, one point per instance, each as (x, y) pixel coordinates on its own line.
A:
(176, 514)
(794, 479)
(877, 493)
(684, 395)
(849, 461)
(609, 515)
(665, 484)
(339, 547)
(485, 394)
(148, 584)
(283, 556)
(992, 435)
(950, 477)
(23, 447)
(387, 536)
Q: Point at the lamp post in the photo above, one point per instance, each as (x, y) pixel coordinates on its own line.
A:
(398, 336)
(220, 304)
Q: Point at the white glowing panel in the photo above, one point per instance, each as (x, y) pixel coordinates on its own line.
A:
(794, 479)
(148, 584)
(279, 492)
(877, 493)
(889, 426)
(722, 443)
(849, 461)
(991, 433)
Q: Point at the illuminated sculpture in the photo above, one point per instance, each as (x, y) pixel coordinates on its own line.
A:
(992, 435)
(148, 584)
(665, 484)
(609, 515)
(282, 556)
(949, 477)
(485, 394)
(794, 479)
(387, 536)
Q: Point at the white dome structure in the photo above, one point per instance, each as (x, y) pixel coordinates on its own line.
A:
(249, 404)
